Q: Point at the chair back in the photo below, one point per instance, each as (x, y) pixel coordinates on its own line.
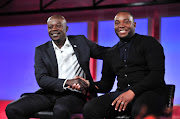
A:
(170, 90)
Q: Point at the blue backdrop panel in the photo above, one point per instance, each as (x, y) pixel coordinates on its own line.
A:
(17, 56)
(107, 37)
(170, 41)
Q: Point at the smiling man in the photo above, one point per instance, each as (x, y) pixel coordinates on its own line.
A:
(138, 63)
(58, 65)
(124, 25)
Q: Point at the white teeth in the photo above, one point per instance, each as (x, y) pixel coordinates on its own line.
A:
(55, 34)
(122, 31)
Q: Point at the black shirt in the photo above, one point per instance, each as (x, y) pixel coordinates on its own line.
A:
(124, 46)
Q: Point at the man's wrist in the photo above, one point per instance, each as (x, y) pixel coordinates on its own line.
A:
(64, 84)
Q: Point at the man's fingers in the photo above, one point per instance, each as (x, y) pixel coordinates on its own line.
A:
(82, 86)
(82, 83)
(125, 105)
(75, 86)
(78, 83)
(114, 102)
(118, 105)
(122, 106)
(83, 80)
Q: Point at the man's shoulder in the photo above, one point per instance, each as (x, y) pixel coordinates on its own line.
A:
(146, 40)
(77, 39)
(145, 37)
(44, 45)
(75, 36)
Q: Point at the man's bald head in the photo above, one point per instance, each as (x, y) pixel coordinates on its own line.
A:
(57, 16)
(57, 28)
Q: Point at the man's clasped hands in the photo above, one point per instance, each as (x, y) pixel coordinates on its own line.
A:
(78, 83)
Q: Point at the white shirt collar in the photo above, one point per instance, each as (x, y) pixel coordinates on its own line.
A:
(66, 44)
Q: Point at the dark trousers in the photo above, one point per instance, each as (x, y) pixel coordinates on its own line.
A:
(145, 104)
(62, 104)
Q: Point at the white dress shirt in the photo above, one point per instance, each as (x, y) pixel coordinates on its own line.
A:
(68, 65)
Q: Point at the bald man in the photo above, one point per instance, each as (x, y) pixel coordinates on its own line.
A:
(138, 63)
(58, 65)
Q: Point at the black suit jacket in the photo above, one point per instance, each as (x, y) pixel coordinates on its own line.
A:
(144, 71)
(46, 68)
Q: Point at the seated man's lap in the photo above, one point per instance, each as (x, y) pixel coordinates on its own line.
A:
(31, 103)
(102, 105)
(72, 103)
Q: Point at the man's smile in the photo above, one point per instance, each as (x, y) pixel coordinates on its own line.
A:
(55, 34)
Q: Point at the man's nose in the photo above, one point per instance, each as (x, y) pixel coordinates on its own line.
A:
(121, 25)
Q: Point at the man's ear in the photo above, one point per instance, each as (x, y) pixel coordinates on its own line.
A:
(67, 28)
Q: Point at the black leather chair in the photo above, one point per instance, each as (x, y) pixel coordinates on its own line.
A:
(167, 113)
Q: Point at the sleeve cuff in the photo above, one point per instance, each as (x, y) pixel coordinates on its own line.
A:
(65, 84)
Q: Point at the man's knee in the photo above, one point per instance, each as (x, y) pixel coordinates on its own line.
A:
(61, 112)
(149, 103)
(94, 108)
(13, 110)
(88, 107)
(89, 110)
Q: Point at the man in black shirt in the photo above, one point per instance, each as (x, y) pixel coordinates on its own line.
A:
(138, 63)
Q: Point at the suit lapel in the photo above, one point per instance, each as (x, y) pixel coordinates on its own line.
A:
(75, 46)
(52, 55)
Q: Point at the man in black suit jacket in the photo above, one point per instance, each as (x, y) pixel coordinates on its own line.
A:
(138, 63)
(57, 63)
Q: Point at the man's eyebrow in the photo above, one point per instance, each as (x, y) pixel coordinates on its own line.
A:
(123, 19)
